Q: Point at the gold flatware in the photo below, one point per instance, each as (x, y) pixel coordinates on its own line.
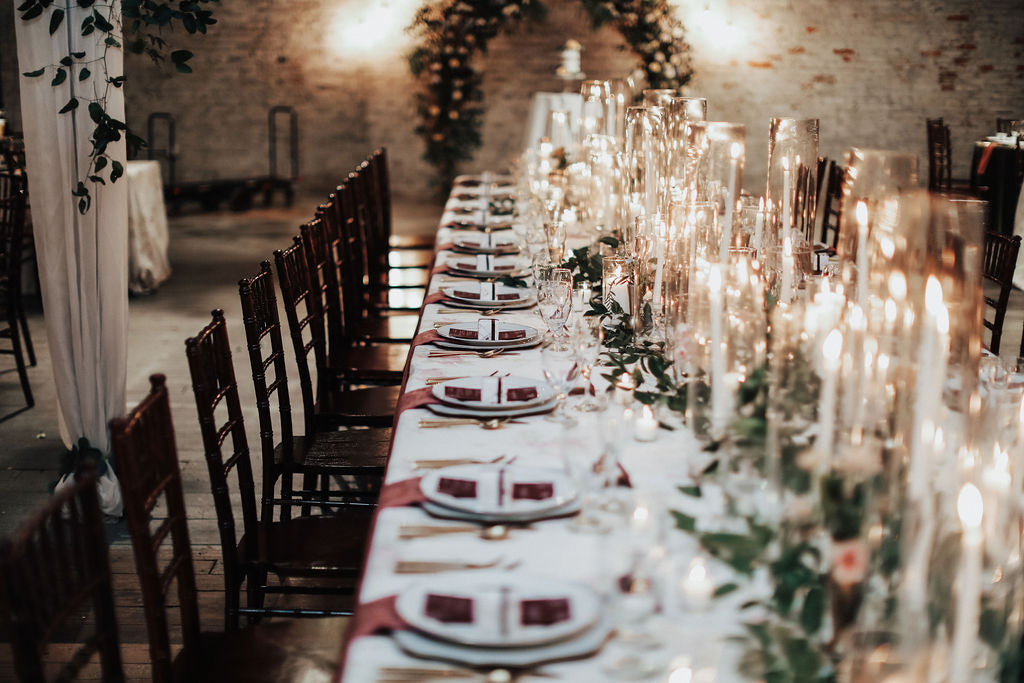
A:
(431, 381)
(433, 566)
(481, 354)
(436, 674)
(451, 462)
(491, 532)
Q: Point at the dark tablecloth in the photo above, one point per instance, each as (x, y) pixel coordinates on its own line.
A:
(995, 166)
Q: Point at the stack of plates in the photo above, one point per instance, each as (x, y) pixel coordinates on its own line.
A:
(492, 223)
(500, 619)
(486, 244)
(487, 295)
(487, 333)
(491, 397)
(487, 265)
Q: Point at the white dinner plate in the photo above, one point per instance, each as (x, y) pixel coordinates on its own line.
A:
(489, 294)
(588, 642)
(458, 411)
(499, 609)
(486, 243)
(492, 489)
(442, 512)
(491, 393)
(493, 224)
(488, 333)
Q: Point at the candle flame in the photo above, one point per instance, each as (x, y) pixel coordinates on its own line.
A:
(898, 286)
(698, 570)
(833, 346)
(787, 247)
(736, 150)
(760, 203)
(785, 163)
(862, 213)
(970, 506)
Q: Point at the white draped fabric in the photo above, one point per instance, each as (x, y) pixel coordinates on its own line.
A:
(148, 238)
(82, 258)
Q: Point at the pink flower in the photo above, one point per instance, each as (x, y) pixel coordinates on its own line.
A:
(849, 562)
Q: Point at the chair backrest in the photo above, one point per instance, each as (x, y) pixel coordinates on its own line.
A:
(54, 565)
(364, 203)
(305, 320)
(832, 205)
(1000, 261)
(1003, 125)
(12, 230)
(379, 162)
(350, 256)
(147, 459)
(322, 270)
(940, 167)
(262, 323)
(215, 389)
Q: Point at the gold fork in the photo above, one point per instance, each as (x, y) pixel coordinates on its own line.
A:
(432, 566)
(431, 381)
(438, 464)
(481, 354)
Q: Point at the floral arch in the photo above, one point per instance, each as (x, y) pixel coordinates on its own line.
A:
(451, 32)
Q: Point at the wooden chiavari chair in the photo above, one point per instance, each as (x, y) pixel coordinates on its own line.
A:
(999, 265)
(318, 549)
(329, 402)
(360, 456)
(12, 311)
(349, 325)
(831, 209)
(53, 566)
(143, 443)
(405, 251)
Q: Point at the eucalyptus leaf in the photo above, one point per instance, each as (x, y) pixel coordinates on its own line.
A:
(70, 106)
(56, 19)
(34, 74)
(59, 77)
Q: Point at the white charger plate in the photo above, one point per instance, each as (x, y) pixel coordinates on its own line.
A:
(442, 512)
(500, 265)
(494, 486)
(457, 346)
(544, 392)
(530, 334)
(497, 609)
(586, 643)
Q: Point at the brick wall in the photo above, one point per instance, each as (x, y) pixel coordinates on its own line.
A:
(871, 70)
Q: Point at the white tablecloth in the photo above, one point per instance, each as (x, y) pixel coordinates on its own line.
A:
(148, 238)
(550, 548)
(544, 102)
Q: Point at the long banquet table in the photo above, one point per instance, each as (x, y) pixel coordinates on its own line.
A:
(548, 548)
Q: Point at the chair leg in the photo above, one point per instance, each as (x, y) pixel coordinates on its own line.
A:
(231, 600)
(308, 486)
(28, 337)
(19, 360)
(255, 584)
(286, 494)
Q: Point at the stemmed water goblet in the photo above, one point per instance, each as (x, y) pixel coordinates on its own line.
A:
(561, 371)
(554, 233)
(586, 335)
(554, 296)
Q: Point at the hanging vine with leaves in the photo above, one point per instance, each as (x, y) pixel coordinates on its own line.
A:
(138, 28)
(450, 33)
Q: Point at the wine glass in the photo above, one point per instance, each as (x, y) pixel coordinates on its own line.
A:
(554, 299)
(561, 371)
(586, 335)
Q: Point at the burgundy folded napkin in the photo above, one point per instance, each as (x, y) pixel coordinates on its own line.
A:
(522, 394)
(435, 298)
(544, 612)
(457, 488)
(472, 266)
(507, 296)
(426, 337)
(469, 183)
(507, 335)
(463, 393)
(401, 493)
(417, 398)
(374, 617)
(986, 154)
(449, 609)
(445, 246)
(533, 490)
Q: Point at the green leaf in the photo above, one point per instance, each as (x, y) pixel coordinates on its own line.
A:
(66, 61)
(32, 13)
(59, 77)
(78, 55)
(610, 241)
(96, 111)
(70, 106)
(691, 490)
(813, 611)
(684, 521)
(25, 5)
(116, 171)
(179, 57)
(725, 589)
(111, 41)
(34, 74)
(84, 74)
(55, 20)
(101, 22)
(101, 163)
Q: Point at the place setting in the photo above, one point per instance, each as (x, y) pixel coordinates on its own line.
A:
(491, 296)
(488, 265)
(487, 243)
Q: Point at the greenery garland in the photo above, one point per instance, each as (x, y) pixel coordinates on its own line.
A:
(450, 33)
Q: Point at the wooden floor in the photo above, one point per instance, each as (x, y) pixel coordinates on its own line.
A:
(209, 253)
